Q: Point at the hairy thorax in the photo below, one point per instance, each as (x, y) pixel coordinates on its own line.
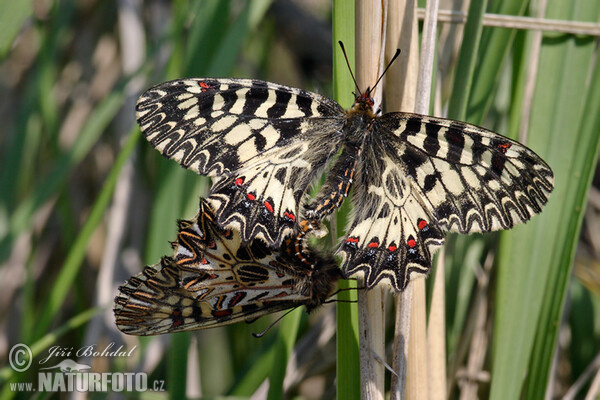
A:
(359, 120)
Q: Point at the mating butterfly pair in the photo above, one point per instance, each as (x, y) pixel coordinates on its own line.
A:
(415, 178)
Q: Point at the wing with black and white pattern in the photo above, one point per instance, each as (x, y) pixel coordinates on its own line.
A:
(472, 179)
(214, 279)
(262, 143)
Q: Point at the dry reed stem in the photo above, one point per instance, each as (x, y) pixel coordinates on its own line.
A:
(436, 333)
(518, 22)
(417, 372)
(532, 67)
(583, 378)
(479, 341)
(369, 47)
(592, 393)
(416, 380)
(402, 33)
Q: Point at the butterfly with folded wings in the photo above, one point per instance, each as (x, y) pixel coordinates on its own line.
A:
(214, 279)
(414, 177)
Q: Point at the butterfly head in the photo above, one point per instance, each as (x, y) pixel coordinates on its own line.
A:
(365, 100)
(363, 104)
(323, 280)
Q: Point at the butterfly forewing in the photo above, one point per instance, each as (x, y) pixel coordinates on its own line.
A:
(214, 279)
(262, 143)
(472, 179)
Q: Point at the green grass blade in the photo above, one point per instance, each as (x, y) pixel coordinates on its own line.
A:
(286, 338)
(231, 44)
(256, 374)
(177, 361)
(465, 67)
(495, 45)
(535, 259)
(585, 155)
(12, 17)
(59, 172)
(348, 358)
(76, 254)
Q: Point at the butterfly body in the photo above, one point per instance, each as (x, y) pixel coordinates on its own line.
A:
(414, 177)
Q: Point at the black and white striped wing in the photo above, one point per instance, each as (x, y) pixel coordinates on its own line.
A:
(419, 177)
(473, 180)
(393, 233)
(262, 143)
(214, 279)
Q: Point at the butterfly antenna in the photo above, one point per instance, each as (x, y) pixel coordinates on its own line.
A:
(268, 328)
(385, 70)
(349, 68)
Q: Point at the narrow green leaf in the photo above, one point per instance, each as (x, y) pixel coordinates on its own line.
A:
(12, 17)
(248, 19)
(254, 376)
(457, 106)
(51, 338)
(177, 361)
(348, 358)
(76, 255)
(535, 259)
(580, 174)
(494, 47)
(59, 172)
(286, 339)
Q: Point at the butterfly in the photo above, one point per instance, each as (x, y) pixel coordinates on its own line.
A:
(214, 279)
(414, 177)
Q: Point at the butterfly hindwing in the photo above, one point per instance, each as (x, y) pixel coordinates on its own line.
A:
(393, 234)
(214, 279)
(262, 199)
(263, 144)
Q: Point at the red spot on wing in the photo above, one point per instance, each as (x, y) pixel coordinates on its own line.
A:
(289, 215)
(392, 247)
(239, 181)
(251, 196)
(373, 245)
(204, 261)
(177, 318)
(502, 147)
(268, 206)
(411, 242)
(422, 224)
(204, 86)
(352, 240)
(237, 298)
(221, 313)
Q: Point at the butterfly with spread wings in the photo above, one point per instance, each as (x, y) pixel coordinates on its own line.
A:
(214, 279)
(415, 177)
